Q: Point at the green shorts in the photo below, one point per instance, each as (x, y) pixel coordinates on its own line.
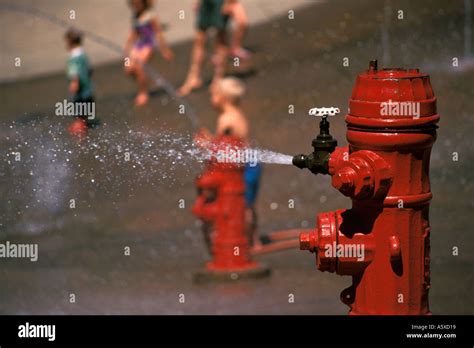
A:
(210, 15)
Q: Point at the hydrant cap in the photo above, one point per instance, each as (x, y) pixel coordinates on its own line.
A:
(392, 98)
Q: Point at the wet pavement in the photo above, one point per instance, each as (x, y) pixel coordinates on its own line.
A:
(135, 203)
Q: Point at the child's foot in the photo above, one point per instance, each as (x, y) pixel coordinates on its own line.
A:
(189, 86)
(241, 53)
(141, 99)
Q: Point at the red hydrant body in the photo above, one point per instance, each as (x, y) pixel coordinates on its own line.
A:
(221, 204)
(383, 241)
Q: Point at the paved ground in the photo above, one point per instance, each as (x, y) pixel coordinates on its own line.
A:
(297, 62)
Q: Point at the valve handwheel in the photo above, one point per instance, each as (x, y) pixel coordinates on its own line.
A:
(324, 112)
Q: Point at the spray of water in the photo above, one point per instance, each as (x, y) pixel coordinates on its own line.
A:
(53, 168)
(272, 157)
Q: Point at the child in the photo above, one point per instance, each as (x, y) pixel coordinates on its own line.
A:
(144, 37)
(79, 76)
(226, 98)
(209, 16)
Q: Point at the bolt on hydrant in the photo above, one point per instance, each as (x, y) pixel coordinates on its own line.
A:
(221, 207)
(383, 241)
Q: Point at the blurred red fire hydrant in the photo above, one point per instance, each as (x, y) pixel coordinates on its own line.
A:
(221, 207)
(383, 241)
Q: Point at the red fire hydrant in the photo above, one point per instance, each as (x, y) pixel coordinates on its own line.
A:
(221, 207)
(383, 241)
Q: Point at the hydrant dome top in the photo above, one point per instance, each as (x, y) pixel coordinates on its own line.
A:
(392, 97)
(395, 73)
(393, 84)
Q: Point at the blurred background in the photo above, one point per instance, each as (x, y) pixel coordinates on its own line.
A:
(136, 204)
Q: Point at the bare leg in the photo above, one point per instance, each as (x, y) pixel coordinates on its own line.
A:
(142, 57)
(142, 96)
(193, 80)
(130, 70)
(240, 17)
(221, 52)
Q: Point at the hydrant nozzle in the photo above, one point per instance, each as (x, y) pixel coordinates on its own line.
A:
(300, 161)
(308, 241)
